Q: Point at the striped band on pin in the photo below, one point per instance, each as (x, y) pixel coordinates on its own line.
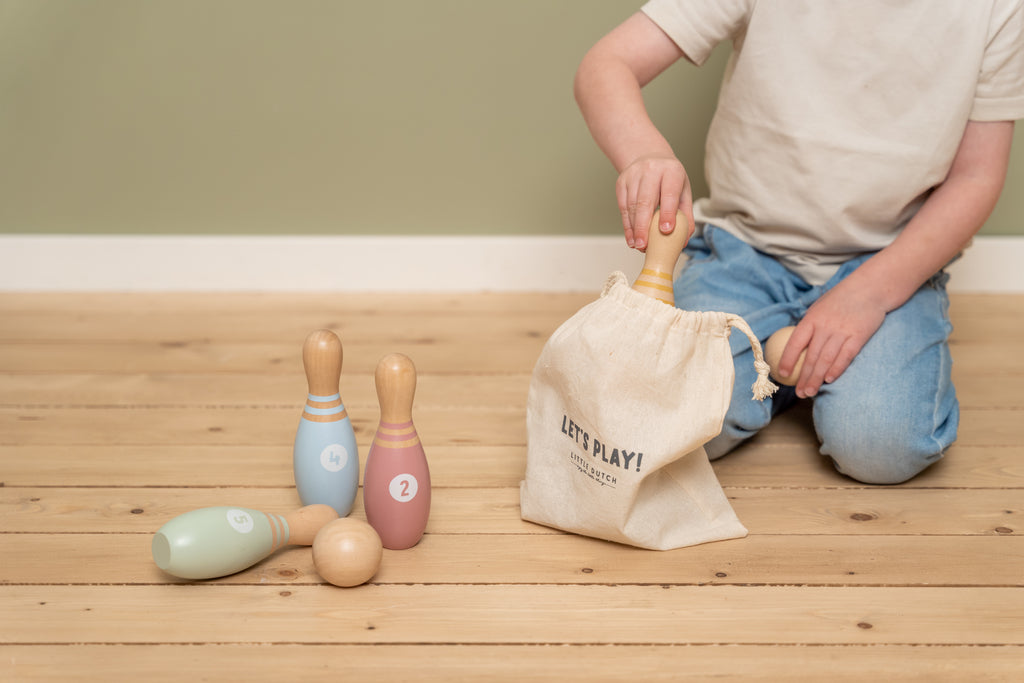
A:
(323, 401)
(392, 435)
(324, 408)
(278, 529)
(655, 285)
(662, 284)
(656, 273)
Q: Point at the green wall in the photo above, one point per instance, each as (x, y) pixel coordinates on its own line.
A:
(322, 117)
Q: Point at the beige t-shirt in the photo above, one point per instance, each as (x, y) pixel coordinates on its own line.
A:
(837, 118)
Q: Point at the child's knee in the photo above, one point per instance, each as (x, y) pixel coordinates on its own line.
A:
(883, 451)
(880, 466)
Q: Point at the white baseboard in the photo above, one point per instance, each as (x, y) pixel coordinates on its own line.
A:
(369, 263)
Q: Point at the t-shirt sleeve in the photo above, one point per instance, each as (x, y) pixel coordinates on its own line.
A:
(1000, 92)
(697, 26)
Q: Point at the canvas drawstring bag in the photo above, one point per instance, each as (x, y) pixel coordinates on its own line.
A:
(622, 400)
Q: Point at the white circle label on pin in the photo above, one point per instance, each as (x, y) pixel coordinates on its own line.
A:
(334, 457)
(241, 521)
(403, 488)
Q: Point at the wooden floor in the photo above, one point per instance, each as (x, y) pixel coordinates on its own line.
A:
(119, 412)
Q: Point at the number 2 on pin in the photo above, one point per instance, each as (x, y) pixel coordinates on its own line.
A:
(403, 488)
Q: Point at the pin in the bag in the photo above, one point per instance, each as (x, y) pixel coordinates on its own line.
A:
(217, 541)
(396, 486)
(655, 280)
(325, 457)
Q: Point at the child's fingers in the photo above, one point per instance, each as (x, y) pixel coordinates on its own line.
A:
(645, 203)
(644, 187)
(686, 208)
(667, 215)
(847, 352)
(622, 197)
(816, 367)
(796, 345)
(671, 196)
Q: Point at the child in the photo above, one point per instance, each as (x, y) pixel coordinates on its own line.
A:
(856, 149)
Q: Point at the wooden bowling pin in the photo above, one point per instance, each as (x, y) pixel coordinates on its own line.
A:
(396, 486)
(325, 457)
(660, 258)
(217, 541)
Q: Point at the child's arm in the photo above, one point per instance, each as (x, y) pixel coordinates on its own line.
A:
(838, 325)
(607, 87)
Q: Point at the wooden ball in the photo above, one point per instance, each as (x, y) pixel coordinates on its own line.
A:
(347, 552)
(773, 349)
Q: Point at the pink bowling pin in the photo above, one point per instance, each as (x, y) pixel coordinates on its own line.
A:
(396, 485)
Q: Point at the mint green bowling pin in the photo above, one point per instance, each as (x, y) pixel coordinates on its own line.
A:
(325, 458)
(217, 541)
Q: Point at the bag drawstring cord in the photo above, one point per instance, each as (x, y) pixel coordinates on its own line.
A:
(763, 387)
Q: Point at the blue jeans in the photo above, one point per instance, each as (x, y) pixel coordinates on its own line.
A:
(890, 415)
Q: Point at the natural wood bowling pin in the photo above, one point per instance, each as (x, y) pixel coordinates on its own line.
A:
(217, 541)
(660, 258)
(396, 486)
(325, 457)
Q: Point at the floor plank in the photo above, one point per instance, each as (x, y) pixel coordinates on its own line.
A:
(472, 354)
(260, 663)
(835, 560)
(272, 425)
(455, 391)
(866, 511)
(756, 465)
(139, 390)
(500, 614)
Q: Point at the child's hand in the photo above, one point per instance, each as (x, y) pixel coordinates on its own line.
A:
(647, 184)
(833, 332)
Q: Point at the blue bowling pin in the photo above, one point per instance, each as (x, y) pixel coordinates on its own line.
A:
(325, 458)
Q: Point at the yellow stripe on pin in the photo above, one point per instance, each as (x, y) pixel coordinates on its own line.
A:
(654, 285)
(656, 273)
